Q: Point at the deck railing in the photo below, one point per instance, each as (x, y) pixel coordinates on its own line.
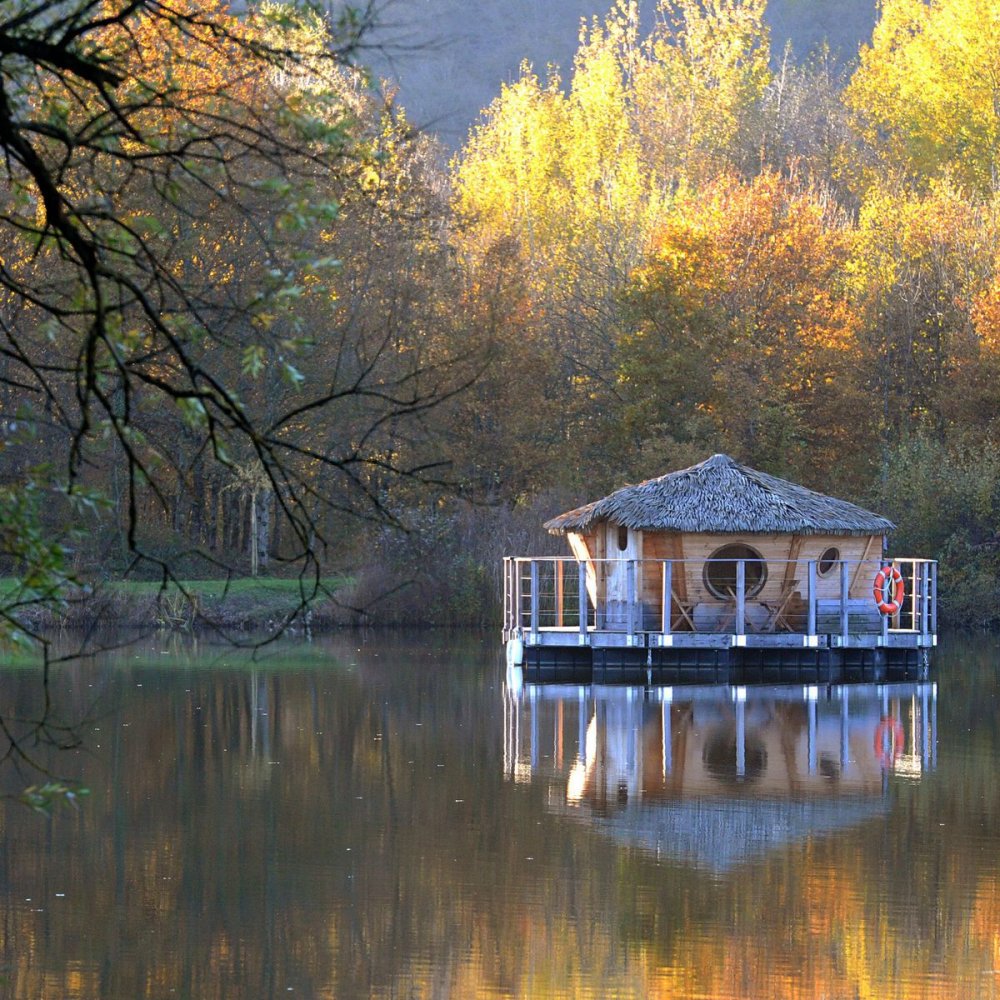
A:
(672, 595)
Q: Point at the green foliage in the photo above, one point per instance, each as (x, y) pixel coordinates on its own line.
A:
(45, 798)
(945, 497)
(40, 562)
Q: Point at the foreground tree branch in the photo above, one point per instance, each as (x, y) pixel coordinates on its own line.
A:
(191, 285)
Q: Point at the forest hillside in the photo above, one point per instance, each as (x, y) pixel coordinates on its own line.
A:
(449, 57)
(255, 324)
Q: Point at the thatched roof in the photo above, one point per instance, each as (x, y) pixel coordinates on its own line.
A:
(722, 496)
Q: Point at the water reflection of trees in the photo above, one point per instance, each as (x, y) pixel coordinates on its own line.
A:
(290, 825)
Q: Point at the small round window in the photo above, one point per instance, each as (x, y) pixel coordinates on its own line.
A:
(828, 561)
(721, 569)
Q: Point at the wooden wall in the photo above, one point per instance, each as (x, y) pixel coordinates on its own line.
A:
(786, 557)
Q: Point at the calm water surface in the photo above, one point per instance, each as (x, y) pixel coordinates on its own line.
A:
(389, 818)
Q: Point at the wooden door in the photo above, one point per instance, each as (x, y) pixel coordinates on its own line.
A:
(622, 546)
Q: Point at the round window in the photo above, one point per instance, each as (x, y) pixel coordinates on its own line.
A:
(721, 569)
(828, 561)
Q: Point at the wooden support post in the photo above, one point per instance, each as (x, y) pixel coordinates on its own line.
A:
(739, 626)
(811, 597)
(668, 584)
(558, 566)
(844, 592)
(582, 597)
(534, 595)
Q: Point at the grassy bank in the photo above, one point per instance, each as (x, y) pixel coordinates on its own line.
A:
(244, 603)
(446, 571)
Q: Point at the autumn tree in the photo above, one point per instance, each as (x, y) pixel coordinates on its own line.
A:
(177, 300)
(917, 273)
(742, 336)
(698, 88)
(927, 90)
(558, 176)
(176, 177)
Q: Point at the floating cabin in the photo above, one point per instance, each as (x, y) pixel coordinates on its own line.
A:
(719, 573)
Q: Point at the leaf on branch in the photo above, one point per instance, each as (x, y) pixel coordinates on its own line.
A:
(44, 798)
(253, 360)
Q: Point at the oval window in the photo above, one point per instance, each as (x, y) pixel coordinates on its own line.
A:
(622, 538)
(828, 561)
(721, 569)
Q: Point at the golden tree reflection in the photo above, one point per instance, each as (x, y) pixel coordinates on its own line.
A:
(338, 822)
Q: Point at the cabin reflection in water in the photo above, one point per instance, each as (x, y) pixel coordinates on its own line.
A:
(716, 776)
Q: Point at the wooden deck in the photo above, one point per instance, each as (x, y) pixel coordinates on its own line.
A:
(567, 619)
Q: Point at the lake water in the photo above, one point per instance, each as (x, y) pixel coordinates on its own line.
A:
(372, 816)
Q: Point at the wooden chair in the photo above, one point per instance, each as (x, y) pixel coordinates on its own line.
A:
(782, 609)
(680, 611)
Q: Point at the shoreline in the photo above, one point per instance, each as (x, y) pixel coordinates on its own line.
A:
(243, 605)
(200, 606)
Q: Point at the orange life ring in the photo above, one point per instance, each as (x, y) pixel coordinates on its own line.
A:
(887, 589)
(892, 728)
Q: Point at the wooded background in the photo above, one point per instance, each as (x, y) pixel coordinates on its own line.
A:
(397, 361)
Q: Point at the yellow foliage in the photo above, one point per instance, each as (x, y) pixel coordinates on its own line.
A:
(927, 90)
(579, 179)
(704, 72)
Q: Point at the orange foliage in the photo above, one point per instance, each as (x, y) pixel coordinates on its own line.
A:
(986, 315)
(761, 266)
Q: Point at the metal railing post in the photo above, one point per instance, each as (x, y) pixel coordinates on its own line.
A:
(558, 566)
(600, 594)
(885, 620)
(811, 597)
(519, 592)
(582, 597)
(630, 597)
(934, 574)
(512, 594)
(506, 593)
(844, 591)
(925, 598)
(741, 597)
(668, 587)
(534, 595)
